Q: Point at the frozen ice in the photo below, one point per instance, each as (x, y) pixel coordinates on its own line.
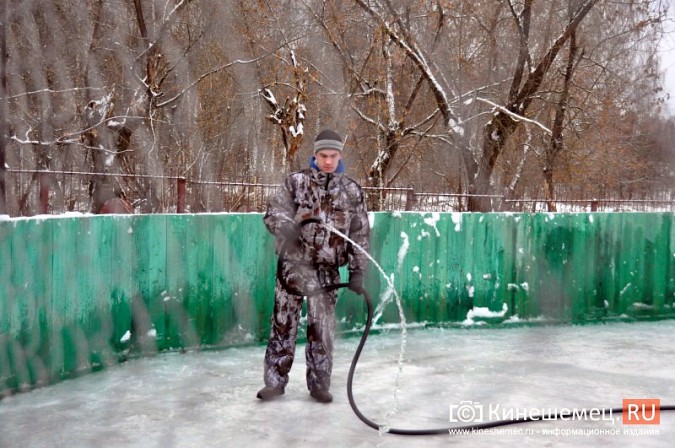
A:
(207, 398)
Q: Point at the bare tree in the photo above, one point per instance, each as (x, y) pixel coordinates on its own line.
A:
(521, 94)
(290, 116)
(481, 98)
(136, 61)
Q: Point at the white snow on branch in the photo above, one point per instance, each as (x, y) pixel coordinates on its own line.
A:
(296, 132)
(173, 11)
(456, 127)
(514, 116)
(269, 97)
(35, 92)
(414, 53)
(27, 141)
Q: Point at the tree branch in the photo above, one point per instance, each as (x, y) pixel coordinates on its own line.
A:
(513, 115)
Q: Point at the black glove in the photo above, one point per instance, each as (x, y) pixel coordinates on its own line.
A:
(356, 282)
(290, 233)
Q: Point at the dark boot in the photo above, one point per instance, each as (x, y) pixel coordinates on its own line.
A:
(269, 392)
(321, 395)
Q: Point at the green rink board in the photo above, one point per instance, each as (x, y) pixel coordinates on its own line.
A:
(80, 293)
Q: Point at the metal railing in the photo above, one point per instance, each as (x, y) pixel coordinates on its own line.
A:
(33, 192)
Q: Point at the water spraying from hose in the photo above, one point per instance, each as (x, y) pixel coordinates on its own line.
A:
(385, 428)
(386, 297)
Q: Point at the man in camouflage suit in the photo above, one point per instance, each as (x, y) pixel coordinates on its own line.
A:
(310, 256)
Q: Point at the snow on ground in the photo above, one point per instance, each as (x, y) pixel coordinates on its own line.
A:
(207, 399)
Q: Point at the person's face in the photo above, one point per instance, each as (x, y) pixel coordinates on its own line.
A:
(327, 160)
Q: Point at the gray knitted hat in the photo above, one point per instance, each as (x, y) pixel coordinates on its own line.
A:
(327, 139)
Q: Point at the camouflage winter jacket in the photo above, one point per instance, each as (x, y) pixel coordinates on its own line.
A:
(336, 200)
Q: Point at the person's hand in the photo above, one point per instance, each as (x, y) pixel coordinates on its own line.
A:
(356, 282)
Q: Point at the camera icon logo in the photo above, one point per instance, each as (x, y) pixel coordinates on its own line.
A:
(466, 412)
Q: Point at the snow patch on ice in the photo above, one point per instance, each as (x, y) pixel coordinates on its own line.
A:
(516, 320)
(642, 306)
(392, 326)
(483, 312)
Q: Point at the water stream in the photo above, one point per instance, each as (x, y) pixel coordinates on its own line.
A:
(385, 298)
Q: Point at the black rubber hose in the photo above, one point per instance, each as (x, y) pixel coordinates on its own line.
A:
(416, 432)
(435, 431)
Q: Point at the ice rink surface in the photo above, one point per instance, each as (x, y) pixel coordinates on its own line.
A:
(207, 399)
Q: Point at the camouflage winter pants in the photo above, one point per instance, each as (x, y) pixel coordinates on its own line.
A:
(284, 325)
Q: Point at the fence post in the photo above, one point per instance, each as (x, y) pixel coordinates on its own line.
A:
(180, 201)
(594, 206)
(44, 193)
(409, 199)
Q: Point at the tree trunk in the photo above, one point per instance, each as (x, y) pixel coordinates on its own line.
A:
(3, 106)
(99, 142)
(555, 145)
(495, 134)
